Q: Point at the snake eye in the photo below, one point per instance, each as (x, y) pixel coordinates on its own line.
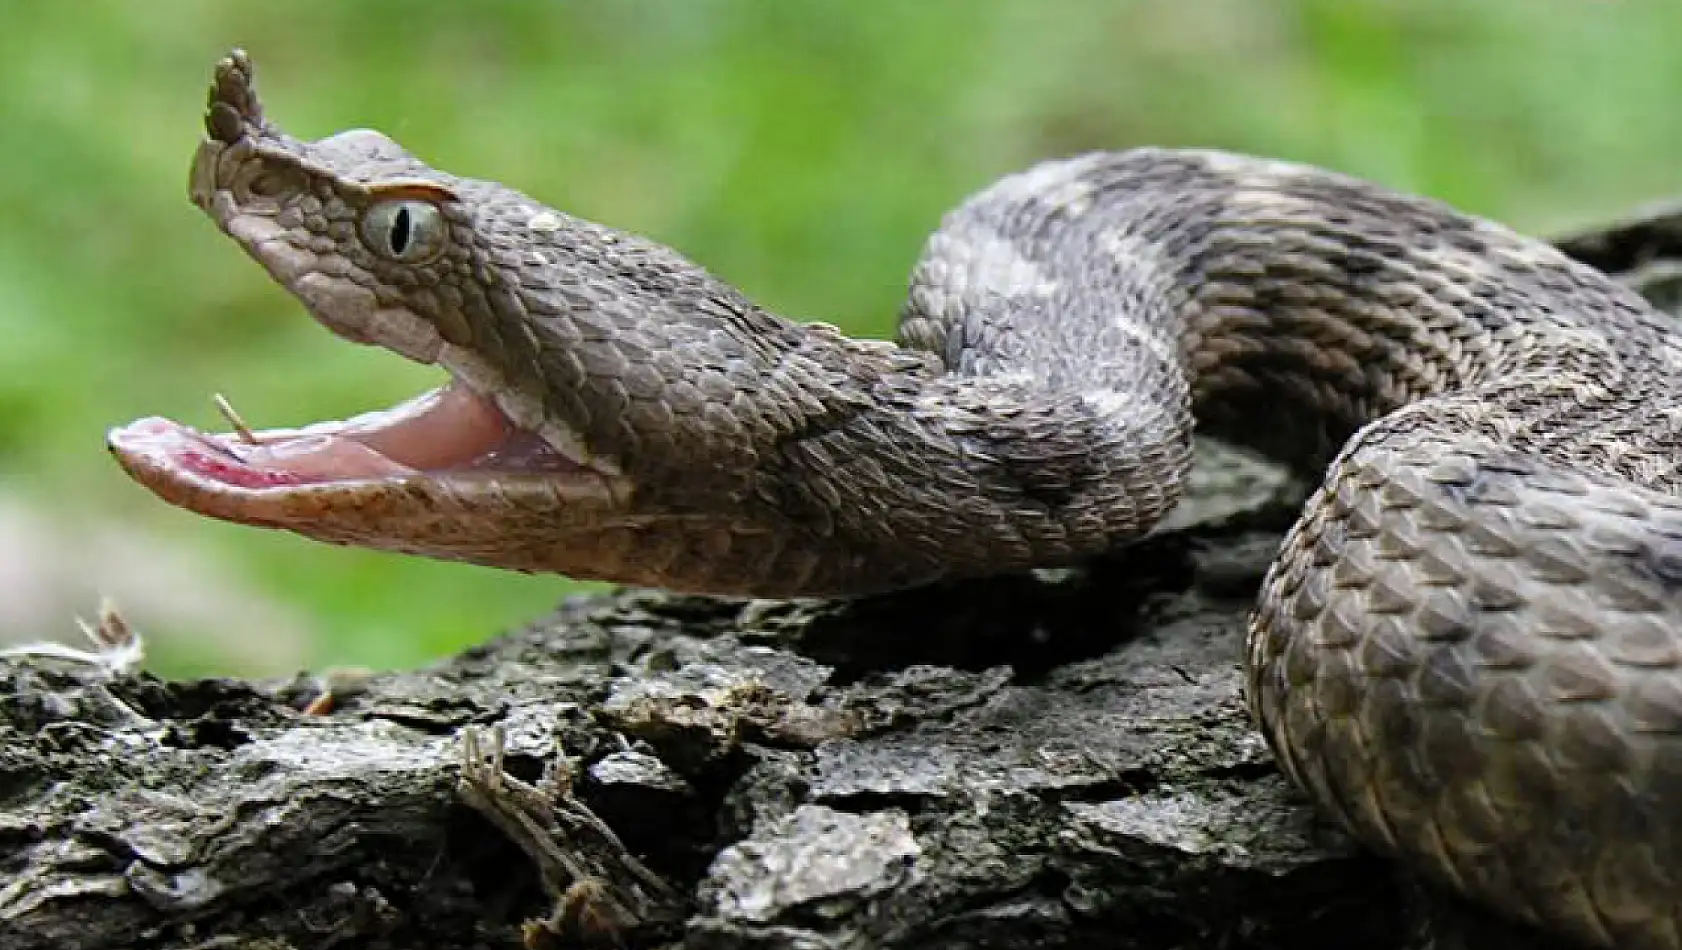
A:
(407, 231)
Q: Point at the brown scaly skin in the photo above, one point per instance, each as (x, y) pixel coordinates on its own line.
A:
(1469, 651)
(737, 452)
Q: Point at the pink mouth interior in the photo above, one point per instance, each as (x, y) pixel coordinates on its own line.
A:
(447, 430)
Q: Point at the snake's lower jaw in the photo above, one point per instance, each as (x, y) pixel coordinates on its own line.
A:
(401, 479)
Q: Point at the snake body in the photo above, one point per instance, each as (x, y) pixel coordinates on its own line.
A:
(1467, 651)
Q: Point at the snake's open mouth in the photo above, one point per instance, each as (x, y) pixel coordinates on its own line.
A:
(450, 435)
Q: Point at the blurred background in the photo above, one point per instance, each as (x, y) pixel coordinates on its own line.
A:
(802, 150)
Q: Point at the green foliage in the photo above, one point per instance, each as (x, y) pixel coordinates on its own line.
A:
(801, 149)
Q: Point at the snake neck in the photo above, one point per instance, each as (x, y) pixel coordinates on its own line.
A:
(933, 472)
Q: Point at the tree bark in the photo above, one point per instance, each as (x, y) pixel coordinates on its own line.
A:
(1061, 759)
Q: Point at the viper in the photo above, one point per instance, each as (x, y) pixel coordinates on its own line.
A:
(1467, 651)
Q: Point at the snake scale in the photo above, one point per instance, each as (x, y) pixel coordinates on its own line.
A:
(1467, 651)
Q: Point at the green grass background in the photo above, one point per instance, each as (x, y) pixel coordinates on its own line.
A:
(801, 148)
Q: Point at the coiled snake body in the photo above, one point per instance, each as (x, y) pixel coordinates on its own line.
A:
(1468, 649)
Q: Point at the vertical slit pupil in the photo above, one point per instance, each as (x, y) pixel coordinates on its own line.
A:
(400, 231)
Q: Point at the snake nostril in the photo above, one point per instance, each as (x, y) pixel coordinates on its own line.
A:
(266, 184)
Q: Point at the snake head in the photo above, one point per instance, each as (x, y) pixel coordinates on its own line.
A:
(600, 417)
